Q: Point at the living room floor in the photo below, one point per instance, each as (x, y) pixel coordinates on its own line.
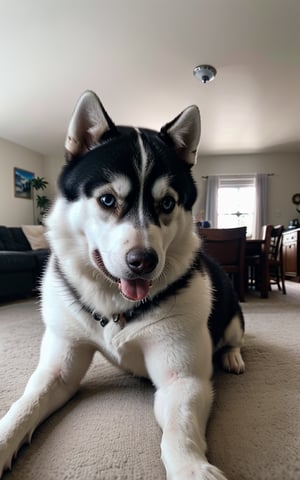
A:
(108, 429)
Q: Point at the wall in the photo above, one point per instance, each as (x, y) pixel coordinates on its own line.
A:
(16, 211)
(282, 185)
(53, 166)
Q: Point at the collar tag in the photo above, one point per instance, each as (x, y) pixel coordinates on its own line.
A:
(104, 320)
(100, 318)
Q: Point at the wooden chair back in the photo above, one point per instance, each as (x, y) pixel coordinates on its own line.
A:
(266, 233)
(227, 247)
(276, 265)
(275, 242)
(269, 264)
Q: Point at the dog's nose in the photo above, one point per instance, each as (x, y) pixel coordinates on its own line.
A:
(142, 260)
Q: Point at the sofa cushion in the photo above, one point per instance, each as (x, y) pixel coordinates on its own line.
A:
(35, 235)
(21, 242)
(13, 239)
(7, 239)
(16, 261)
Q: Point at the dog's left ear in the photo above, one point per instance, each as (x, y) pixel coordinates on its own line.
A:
(184, 132)
(88, 124)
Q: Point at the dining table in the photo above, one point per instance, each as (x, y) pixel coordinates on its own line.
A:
(255, 255)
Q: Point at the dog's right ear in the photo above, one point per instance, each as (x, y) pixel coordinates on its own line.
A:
(88, 124)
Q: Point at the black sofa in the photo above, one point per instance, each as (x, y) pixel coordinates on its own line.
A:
(21, 267)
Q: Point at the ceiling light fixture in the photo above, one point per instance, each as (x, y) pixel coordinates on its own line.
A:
(205, 73)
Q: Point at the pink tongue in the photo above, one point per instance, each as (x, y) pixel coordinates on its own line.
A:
(135, 289)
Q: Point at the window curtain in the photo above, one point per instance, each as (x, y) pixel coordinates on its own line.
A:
(211, 202)
(261, 210)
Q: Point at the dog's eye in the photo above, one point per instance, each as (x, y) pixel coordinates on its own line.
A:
(167, 204)
(107, 200)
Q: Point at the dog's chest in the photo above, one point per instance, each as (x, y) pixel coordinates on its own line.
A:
(126, 345)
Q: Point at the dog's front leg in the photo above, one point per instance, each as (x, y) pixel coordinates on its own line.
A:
(61, 367)
(180, 366)
(182, 408)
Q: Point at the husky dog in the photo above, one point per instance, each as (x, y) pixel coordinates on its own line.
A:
(127, 277)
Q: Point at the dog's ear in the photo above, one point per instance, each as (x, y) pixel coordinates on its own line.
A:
(88, 124)
(184, 132)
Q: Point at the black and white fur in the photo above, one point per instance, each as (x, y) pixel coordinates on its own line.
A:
(127, 277)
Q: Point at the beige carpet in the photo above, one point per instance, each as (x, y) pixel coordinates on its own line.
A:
(108, 430)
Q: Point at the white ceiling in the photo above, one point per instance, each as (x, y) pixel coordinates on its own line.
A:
(139, 57)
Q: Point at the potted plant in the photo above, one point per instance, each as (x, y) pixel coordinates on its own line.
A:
(41, 202)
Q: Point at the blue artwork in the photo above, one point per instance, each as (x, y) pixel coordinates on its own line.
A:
(22, 183)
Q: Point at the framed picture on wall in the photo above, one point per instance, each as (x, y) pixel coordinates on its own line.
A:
(22, 185)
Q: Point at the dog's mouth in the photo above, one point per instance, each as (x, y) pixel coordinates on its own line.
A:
(135, 289)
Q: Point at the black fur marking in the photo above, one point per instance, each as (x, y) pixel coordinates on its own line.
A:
(98, 167)
(225, 302)
(166, 162)
(120, 154)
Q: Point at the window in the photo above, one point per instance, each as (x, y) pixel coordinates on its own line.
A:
(236, 202)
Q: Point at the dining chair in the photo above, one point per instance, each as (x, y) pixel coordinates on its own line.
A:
(265, 268)
(275, 260)
(227, 247)
(256, 264)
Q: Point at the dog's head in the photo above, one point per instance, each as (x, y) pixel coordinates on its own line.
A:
(128, 195)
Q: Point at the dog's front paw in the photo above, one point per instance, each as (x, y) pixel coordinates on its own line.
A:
(6, 457)
(8, 451)
(11, 441)
(198, 471)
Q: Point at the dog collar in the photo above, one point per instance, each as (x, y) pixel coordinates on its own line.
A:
(145, 306)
